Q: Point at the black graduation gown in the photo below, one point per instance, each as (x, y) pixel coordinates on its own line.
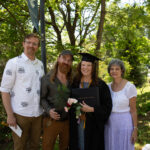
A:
(94, 127)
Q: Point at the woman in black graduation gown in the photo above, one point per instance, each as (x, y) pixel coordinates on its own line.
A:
(87, 133)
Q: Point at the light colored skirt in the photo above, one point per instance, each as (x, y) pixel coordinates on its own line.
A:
(118, 131)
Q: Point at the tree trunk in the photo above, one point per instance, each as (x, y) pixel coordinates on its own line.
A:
(54, 24)
(100, 27)
(70, 25)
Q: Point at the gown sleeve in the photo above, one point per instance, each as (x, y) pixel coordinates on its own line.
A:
(103, 111)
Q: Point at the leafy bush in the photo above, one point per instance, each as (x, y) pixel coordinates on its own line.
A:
(143, 103)
(5, 134)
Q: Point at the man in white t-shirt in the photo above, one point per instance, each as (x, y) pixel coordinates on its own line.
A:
(20, 89)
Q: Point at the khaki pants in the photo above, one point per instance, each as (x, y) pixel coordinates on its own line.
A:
(31, 127)
(53, 129)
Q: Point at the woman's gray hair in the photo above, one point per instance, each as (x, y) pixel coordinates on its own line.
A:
(117, 62)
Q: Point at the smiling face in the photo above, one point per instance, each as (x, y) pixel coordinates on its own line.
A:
(115, 71)
(31, 46)
(86, 68)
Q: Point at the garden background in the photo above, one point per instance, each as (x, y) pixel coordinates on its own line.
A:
(106, 28)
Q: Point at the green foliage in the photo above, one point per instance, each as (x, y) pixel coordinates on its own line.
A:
(61, 97)
(143, 110)
(125, 38)
(138, 75)
(143, 103)
(77, 109)
(5, 132)
(14, 24)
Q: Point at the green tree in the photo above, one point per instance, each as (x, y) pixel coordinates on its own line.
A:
(125, 37)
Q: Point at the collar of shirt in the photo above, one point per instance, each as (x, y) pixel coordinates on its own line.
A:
(27, 59)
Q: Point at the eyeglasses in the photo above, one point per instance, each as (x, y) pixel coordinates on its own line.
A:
(34, 44)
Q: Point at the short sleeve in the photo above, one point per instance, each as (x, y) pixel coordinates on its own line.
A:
(131, 91)
(9, 76)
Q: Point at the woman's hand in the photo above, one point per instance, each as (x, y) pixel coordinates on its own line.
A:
(86, 108)
(134, 135)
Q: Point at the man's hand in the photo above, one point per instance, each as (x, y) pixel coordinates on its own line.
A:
(11, 120)
(53, 114)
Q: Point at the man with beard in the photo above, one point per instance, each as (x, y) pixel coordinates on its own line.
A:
(20, 89)
(54, 95)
